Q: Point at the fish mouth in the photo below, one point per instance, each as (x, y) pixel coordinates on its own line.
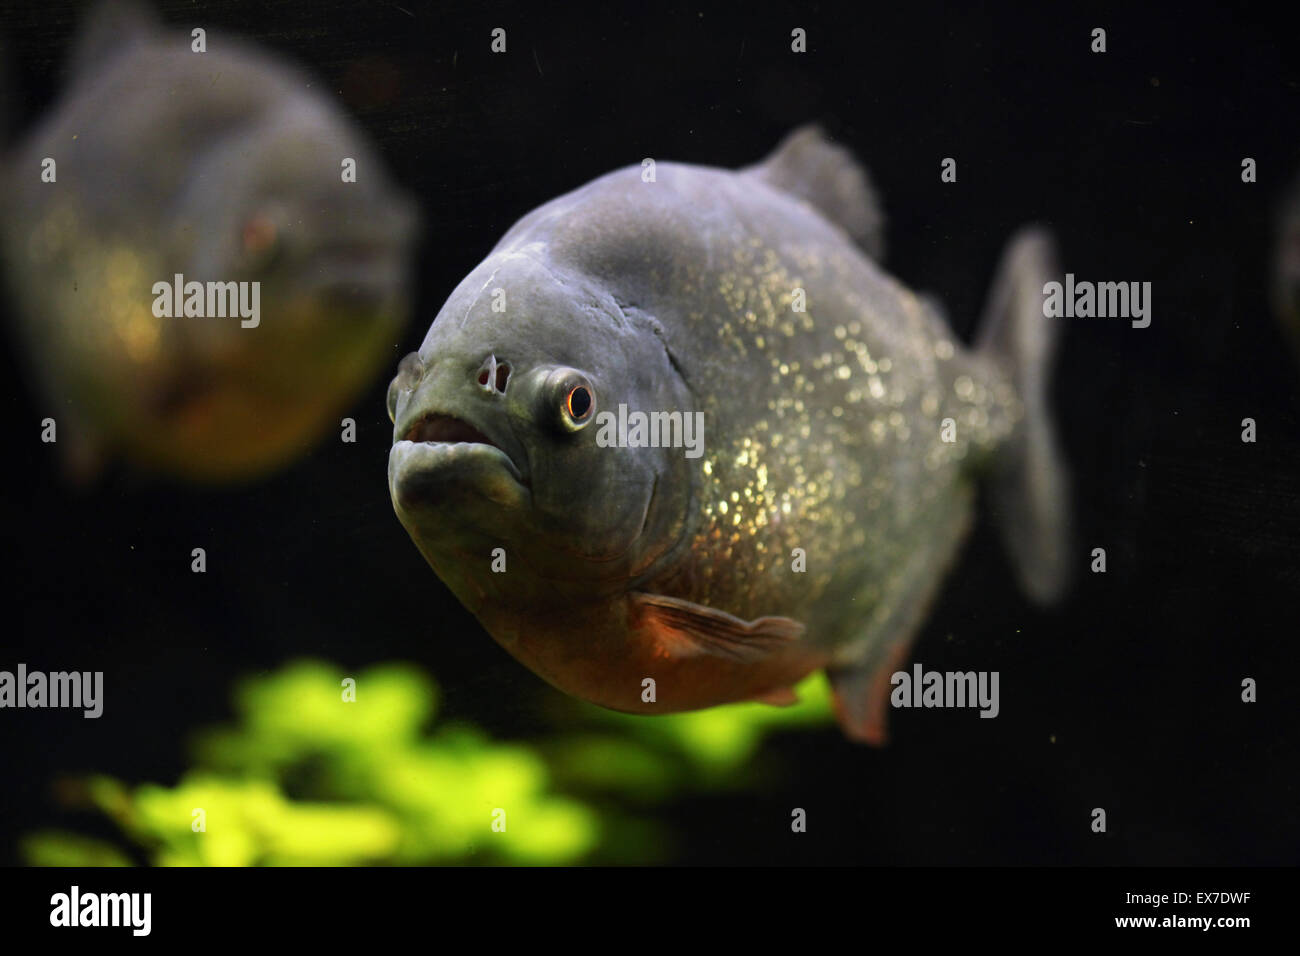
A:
(437, 428)
(440, 459)
(358, 276)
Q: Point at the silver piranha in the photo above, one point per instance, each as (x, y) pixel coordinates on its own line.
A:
(198, 288)
(534, 460)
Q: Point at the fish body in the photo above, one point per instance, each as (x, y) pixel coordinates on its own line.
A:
(222, 166)
(844, 428)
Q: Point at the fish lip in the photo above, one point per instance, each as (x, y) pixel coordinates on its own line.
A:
(434, 454)
(440, 428)
(425, 479)
(443, 431)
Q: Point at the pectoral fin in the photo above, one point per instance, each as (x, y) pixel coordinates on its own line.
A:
(702, 656)
(681, 628)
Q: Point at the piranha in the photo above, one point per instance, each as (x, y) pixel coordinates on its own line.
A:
(226, 167)
(845, 427)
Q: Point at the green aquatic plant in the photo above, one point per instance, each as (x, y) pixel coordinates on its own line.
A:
(209, 820)
(58, 848)
(720, 739)
(324, 770)
(320, 768)
(698, 750)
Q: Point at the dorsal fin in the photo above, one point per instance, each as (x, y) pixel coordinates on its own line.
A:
(111, 27)
(811, 166)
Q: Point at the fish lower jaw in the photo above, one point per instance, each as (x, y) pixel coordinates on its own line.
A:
(425, 474)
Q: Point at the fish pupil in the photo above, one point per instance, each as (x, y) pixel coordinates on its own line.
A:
(579, 402)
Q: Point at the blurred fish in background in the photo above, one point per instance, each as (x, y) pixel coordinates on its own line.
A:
(177, 171)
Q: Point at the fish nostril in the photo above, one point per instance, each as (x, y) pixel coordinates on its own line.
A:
(487, 373)
(492, 375)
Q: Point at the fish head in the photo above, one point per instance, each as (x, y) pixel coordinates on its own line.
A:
(332, 262)
(498, 440)
(278, 203)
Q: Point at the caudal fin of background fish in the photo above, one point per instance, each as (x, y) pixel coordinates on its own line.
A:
(1029, 494)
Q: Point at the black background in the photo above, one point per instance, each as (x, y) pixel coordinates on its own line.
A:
(1127, 697)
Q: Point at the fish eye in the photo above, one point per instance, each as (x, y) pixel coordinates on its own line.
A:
(578, 404)
(260, 240)
(572, 395)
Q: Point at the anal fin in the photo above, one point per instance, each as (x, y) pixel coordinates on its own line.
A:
(781, 697)
(861, 687)
(861, 696)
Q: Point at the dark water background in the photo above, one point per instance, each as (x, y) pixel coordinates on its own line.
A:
(1125, 698)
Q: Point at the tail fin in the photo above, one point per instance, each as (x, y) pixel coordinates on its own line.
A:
(1030, 492)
